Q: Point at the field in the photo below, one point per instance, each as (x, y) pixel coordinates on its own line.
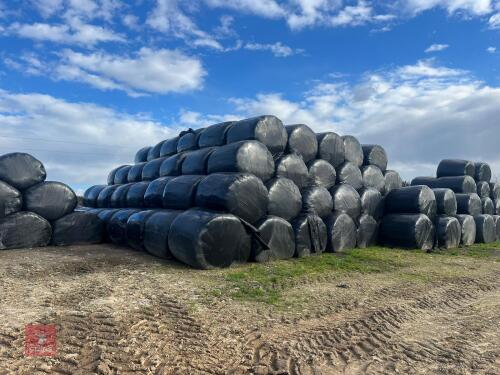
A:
(375, 310)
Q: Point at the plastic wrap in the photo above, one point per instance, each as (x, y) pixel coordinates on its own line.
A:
(321, 173)
(104, 197)
(482, 172)
(455, 167)
(373, 177)
(372, 203)
(346, 199)
(21, 170)
(134, 231)
(180, 192)
(285, 199)
(317, 200)
(24, 230)
(302, 141)
(353, 150)
(142, 155)
(172, 166)
(169, 147)
(206, 240)
(135, 195)
(349, 174)
(310, 235)
(459, 184)
(412, 231)
(188, 140)
(341, 231)
(151, 171)
(448, 232)
(375, 155)
(331, 148)
(292, 166)
(11, 200)
(367, 232)
(497, 207)
(196, 162)
(135, 173)
(488, 206)
(105, 214)
(483, 189)
(392, 181)
(153, 197)
(51, 200)
(241, 194)
(268, 130)
(485, 229)
(214, 135)
(91, 194)
(245, 157)
(155, 151)
(411, 200)
(446, 202)
(468, 225)
(111, 175)
(469, 204)
(116, 227)
(78, 228)
(121, 175)
(156, 232)
(495, 191)
(496, 219)
(119, 196)
(278, 234)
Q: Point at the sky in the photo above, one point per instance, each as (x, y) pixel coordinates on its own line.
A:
(86, 83)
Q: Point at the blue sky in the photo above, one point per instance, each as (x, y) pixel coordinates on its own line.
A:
(83, 83)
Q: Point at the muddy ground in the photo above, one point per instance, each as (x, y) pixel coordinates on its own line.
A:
(122, 312)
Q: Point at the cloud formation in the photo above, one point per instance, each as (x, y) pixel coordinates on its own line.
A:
(436, 48)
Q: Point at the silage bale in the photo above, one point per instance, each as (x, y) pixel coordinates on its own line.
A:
(206, 239)
(104, 197)
(488, 206)
(169, 147)
(331, 148)
(392, 181)
(50, 199)
(121, 175)
(172, 166)
(341, 232)
(188, 140)
(116, 227)
(485, 229)
(483, 189)
(367, 232)
(302, 141)
(496, 219)
(482, 172)
(317, 200)
(353, 150)
(448, 232)
(346, 199)
(292, 166)
(459, 184)
(413, 231)
(24, 230)
(285, 199)
(373, 177)
(11, 200)
(180, 192)
(469, 204)
(268, 130)
(372, 203)
(135, 194)
(135, 173)
(497, 207)
(310, 235)
(375, 155)
(468, 224)
(78, 228)
(153, 197)
(156, 232)
(105, 215)
(495, 191)
(279, 237)
(151, 171)
(455, 167)
(241, 194)
(21, 170)
(134, 231)
(154, 152)
(111, 175)
(214, 135)
(411, 200)
(119, 196)
(196, 162)
(350, 174)
(141, 156)
(242, 157)
(446, 202)
(91, 194)
(321, 173)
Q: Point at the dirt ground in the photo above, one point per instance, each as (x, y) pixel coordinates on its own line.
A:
(122, 312)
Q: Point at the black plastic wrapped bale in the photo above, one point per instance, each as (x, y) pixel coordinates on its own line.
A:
(278, 234)
(135, 173)
(459, 184)
(11, 200)
(214, 135)
(135, 195)
(169, 147)
(353, 150)
(496, 219)
(412, 231)
(116, 227)
(468, 225)
(105, 214)
(151, 170)
(372, 203)
(156, 232)
(155, 151)
(245, 157)
(495, 191)
(285, 199)
(268, 130)
(350, 174)
(341, 231)
(469, 204)
(292, 166)
(153, 197)
(431, 182)
(241, 194)
(488, 206)
(317, 200)
(21, 170)
(119, 196)
(78, 228)
(172, 166)
(121, 175)
(367, 232)
(302, 141)
(411, 200)
(112, 174)
(455, 167)
(346, 199)
(448, 232)
(188, 140)
(196, 162)
(322, 173)
(104, 197)
(51, 200)
(497, 207)
(375, 155)
(483, 189)
(373, 177)
(207, 240)
(485, 229)
(392, 181)
(24, 230)
(482, 172)
(331, 148)
(134, 232)
(446, 202)
(180, 192)
(91, 194)
(141, 156)
(310, 235)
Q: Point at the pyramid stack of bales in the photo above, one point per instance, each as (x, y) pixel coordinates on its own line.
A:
(35, 212)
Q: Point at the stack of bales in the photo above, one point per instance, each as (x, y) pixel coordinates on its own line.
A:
(35, 212)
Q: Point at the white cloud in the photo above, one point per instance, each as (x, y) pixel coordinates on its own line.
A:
(436, 48)
(471, 7)
(277, 49)
(48, 7)
(491, 49)
(426, 68)
(263, 8)
(494, 21)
